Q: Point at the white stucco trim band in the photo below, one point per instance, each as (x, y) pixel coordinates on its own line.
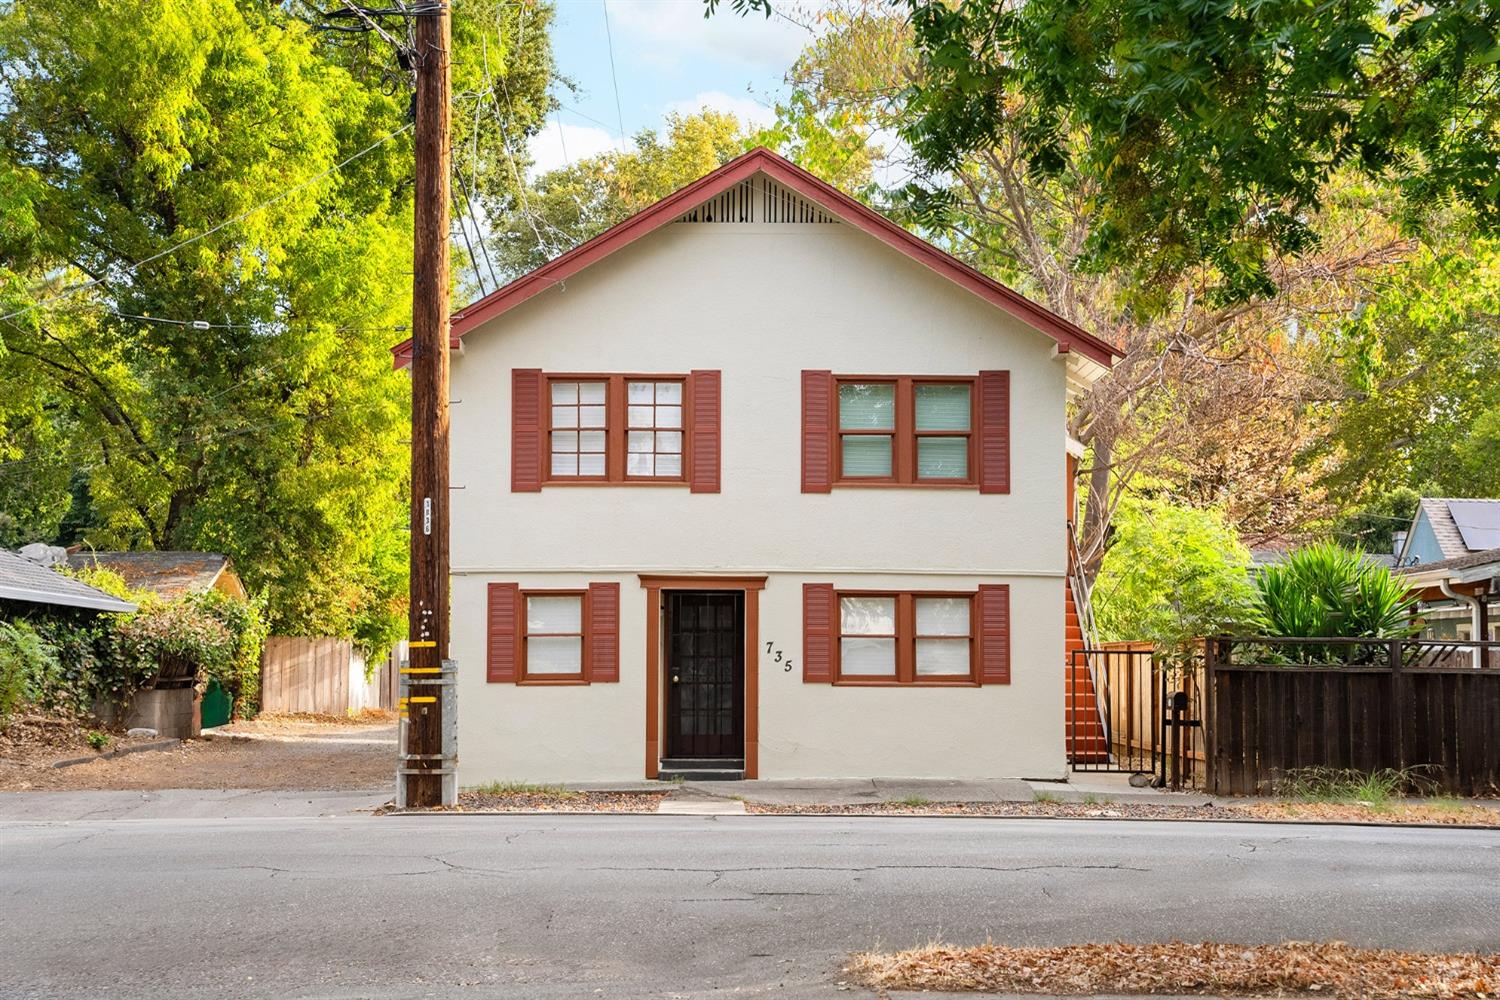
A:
(718, 571)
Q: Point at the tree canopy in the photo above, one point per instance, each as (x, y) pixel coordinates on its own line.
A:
(206, 261)
(1211, 129)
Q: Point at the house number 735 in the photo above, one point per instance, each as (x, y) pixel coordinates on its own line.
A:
(772, 651)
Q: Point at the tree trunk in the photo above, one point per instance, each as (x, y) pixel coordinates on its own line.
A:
(1096, 511)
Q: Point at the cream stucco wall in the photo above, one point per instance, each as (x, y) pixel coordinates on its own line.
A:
(762, 303)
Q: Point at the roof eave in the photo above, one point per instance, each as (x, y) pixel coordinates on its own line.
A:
(104, 602)
(1069, 337)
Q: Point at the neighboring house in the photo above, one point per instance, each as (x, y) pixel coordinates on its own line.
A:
(31, 585)
(1267, 552)
(170, 574)
(1450, 529)
(1451, 556)
(759, 482)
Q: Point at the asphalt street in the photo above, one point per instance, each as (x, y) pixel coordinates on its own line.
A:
(674, 906)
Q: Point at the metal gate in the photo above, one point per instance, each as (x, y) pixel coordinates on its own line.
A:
(1130, 712)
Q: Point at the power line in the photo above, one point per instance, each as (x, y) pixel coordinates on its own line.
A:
(131, 268)
(198, 324)
(613, 79)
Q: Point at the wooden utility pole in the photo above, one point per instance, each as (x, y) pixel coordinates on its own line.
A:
(428, 624)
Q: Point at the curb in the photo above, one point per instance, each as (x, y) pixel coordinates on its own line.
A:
(913, 816)
(118, 752)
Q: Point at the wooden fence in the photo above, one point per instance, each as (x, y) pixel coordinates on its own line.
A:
(323, 675)
(1430, 708)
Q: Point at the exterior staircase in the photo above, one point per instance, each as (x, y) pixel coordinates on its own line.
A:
(1087, 738)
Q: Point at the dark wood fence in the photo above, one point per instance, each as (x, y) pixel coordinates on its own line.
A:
(1277, 706)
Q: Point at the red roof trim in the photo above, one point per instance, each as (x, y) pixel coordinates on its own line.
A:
(762, 160)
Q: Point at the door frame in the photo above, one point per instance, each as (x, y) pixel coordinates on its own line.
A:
(750, 586)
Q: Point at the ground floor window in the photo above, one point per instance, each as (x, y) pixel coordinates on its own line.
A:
(553, 641)
(905, 638)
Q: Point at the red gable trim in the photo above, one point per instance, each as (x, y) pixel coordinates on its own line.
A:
(762, 160)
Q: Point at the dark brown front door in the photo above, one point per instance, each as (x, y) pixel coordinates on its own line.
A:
(705, 668)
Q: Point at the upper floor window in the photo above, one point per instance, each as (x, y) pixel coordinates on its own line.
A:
(642, 429)
(615, 428)
(905, 430)
(579, 429)
(654, 429)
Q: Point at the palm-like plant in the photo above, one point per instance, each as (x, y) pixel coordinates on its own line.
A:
(1325, 590)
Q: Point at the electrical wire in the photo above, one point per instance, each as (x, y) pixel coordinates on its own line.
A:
(613, 79)
(132, 268)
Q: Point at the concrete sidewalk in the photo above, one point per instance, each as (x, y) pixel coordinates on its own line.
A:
(1089, 788)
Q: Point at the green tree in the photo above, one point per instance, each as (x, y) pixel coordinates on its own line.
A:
(1210, 130)
(232, 191)
(569, 205)
(1171, 574)
(1419, 401)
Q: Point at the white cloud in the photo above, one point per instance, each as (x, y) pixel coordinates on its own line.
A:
(665, 31)
(561, 143)
(749, 111)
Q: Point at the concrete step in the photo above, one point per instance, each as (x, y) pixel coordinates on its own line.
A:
(702, 769)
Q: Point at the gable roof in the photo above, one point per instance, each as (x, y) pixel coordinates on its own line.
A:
(23, 580)
(1461, 525)
(1069, 337)
(170, 574)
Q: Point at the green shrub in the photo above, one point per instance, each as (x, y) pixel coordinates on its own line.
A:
(1327, 590)
(27, 663)
(1172, 575)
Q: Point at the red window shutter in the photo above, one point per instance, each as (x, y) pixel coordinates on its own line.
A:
(604, 632)
(526, 423)
(503, 620)
(703, 431)
(819, 632)
(994, 432)
(994, 634)
(817, 432)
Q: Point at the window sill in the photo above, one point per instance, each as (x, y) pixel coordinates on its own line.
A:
(553, 682)
(859, 484)
(548, 484)
(931, 682)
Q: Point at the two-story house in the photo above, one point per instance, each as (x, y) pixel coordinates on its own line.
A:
(757, 481)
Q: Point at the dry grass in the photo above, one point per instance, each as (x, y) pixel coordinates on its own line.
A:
(1325, 970)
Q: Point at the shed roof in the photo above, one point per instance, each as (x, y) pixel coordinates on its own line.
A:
(23, 580)
(170, 574)
(1069, 336)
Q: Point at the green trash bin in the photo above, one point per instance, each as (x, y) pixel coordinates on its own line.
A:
(216, 705)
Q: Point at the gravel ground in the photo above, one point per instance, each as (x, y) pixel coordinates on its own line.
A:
(555, 800)
(1333, 970)
(1321, 812)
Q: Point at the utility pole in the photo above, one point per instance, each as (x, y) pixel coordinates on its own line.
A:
(426, 767)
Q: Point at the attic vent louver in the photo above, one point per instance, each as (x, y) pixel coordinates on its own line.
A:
(734, 205)
(782, 205)
(758, 199)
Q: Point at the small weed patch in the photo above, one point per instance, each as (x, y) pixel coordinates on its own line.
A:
(1044, 797)
(914, 801)
(1096, 800)
(1326, 784)
(524, 788)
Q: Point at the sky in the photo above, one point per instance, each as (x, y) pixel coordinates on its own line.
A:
(667, 57)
